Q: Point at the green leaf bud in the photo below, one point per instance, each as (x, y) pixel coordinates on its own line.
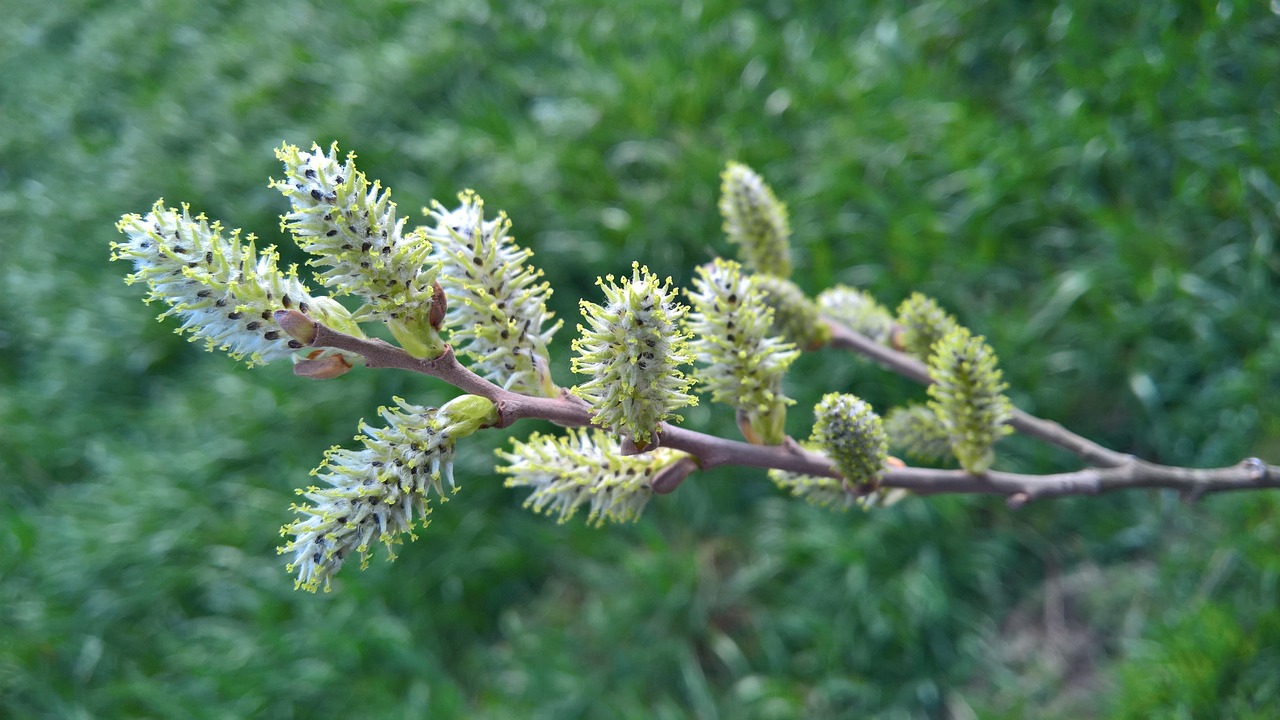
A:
(496, 306)
(917, 431)
(744, 362)
(632, 350)
(923, 323)
(852, 435)
(755, 221)
(795, 316)
(350, 226)
(858, 311)
(967, 396)
(225, 292)
(584, 467)
(382, 491)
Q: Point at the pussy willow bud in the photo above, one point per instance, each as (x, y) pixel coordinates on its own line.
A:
(632, 350)
(744, 362)
(496, 306)
(351, 227)
(858, 311)
(755, 221)
(380, 492)
(923, 323)
(967, 395)
(225, 292)
(584, 467)
(852, 435)
(916, 430)
(795, 316)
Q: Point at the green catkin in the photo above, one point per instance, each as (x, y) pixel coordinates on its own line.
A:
(584, 467)
(743, 362)
(852, 435)
(795, 316)
(755, 221)
(923, 323)
(967, 396)
(632, 347)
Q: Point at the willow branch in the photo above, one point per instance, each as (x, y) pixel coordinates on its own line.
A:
(1025, 423)
(1018, 488)
(710, 451)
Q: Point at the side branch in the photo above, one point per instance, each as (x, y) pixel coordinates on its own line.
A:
(1025, 423)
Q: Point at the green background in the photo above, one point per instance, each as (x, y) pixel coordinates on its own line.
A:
(1091, 185)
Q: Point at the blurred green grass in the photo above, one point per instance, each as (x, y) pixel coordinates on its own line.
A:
(1093, 186)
